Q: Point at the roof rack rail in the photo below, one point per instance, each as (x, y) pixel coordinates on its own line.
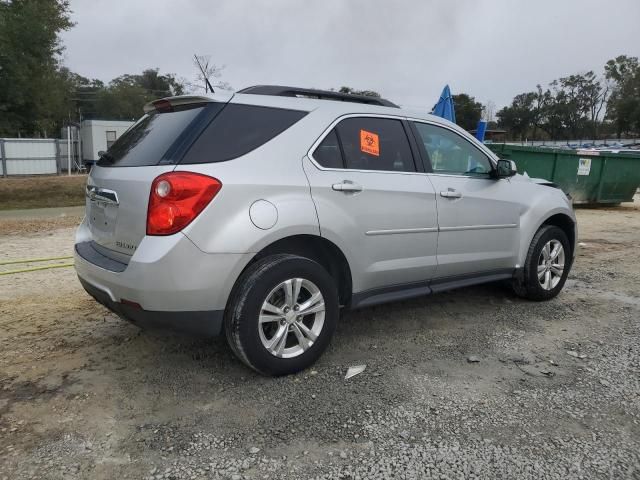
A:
(282, 91)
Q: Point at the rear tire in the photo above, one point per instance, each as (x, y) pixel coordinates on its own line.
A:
(282, 314)
(547, 265)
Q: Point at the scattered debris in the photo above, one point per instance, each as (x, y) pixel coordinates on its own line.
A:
(582, 244)
(355, 370)
(547, 373)
(575, 354)
(473, 359)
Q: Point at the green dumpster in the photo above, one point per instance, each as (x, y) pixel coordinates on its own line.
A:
(588, 176)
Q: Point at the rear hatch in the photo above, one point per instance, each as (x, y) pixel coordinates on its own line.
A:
(119, 185)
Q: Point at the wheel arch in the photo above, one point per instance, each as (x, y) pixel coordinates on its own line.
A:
(565, 223)
(319, 249)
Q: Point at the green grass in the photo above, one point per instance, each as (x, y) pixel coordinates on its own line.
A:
(41, 192)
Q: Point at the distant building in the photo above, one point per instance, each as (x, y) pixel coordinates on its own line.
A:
(99, 135)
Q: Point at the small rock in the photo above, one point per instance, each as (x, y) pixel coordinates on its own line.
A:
(472, 359)
(573, 353)
(604, 382)
(254, 450)
(343, 455)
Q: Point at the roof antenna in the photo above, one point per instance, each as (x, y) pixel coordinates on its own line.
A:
(204, 75)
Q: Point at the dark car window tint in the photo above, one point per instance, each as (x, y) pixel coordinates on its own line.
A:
(375, 144)
(147, 141)
(451, 153)
(239, 129)
(328, 152)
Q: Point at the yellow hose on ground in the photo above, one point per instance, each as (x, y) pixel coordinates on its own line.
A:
(41, 267)
(33, 260)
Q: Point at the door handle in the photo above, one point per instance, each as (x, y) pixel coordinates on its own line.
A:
(450, 194)
(346, 186)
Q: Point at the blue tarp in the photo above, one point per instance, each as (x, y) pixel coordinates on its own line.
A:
(444, 108)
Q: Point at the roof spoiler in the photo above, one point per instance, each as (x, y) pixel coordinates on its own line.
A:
(168, 104)
(283, 91)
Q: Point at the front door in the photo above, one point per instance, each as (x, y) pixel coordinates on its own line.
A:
(373, 203)
(478, 216)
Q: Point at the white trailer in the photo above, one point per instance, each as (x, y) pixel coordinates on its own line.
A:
(98, 135)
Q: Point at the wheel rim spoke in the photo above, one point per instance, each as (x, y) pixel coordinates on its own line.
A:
(547, 280)
(307, 333)
(270, 318)
(281, 333)
(306, 306)
(546, 251)
(557, 269)
(268, 307)
(302, 340)
(541, 271)
(297, 285)
(288, 293)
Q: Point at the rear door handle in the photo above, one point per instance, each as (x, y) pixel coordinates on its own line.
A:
(346, 186)
(450, 194)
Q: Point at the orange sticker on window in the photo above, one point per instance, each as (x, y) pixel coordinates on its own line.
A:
(369, 143)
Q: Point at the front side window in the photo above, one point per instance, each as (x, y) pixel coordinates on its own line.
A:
(367, 143)
(451, 153)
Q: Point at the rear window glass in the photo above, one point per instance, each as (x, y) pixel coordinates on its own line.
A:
(239, 129)
(149, 139)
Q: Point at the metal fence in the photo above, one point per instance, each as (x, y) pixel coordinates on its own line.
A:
(37, 156)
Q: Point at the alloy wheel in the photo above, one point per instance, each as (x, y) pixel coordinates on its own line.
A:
(551, 264)
(291, 318)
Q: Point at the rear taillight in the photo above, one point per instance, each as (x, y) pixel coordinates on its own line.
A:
(176, 199)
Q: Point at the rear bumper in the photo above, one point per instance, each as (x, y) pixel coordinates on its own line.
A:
(168, 282)
(202, 323)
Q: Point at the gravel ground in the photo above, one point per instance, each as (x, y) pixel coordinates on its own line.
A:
(474, 383)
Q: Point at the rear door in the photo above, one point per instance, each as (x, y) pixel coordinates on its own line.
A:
(478, 216)
(373, 202)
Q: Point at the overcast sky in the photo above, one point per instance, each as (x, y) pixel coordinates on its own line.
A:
(406, 50)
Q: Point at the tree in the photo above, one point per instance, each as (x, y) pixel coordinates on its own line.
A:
(623, 107)
(518, 117)
(208, 74)
(353, 91)
(126, 95)
(468, 111)
(31, 84)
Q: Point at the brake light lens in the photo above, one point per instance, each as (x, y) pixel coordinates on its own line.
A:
(176, 199)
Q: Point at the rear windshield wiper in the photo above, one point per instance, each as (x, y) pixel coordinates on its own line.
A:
(105, 156)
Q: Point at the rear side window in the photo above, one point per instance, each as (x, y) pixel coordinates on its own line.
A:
(147, 141)
(328, 153)
(375, 144)
(238, 130)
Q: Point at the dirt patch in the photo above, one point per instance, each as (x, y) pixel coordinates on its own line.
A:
(42, 191)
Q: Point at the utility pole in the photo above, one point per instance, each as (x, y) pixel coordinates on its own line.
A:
(69, 146)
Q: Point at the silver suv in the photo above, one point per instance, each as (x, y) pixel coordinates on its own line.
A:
(264, 213)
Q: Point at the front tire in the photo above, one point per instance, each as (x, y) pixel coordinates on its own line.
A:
(282, 314)
(547, 265)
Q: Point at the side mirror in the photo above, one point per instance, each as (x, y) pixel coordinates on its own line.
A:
(506, 168)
